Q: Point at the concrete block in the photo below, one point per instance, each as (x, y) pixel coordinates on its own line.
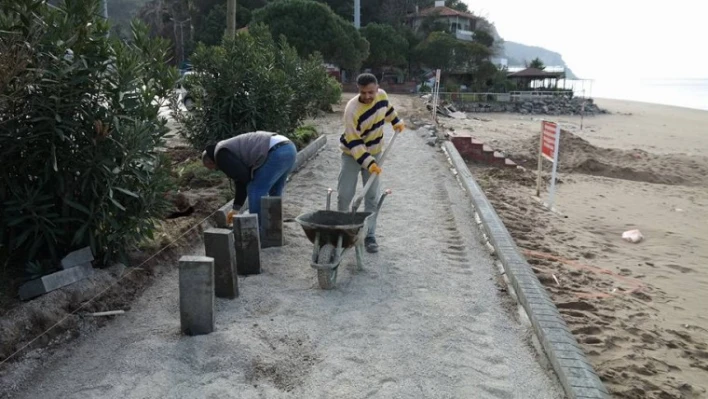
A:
(219, 244)
(590, 393)
(498, 159)
(196, 295)
(54, 281)
(576, 364)
(549, 322)
(76, 258)
(463, 144)
(559, 335)
(272, 222)
(220, 215)
(310, 151)
(247, 244)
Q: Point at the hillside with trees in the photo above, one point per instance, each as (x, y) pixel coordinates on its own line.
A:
(188, 22)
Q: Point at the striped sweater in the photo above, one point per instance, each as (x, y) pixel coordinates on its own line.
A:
(364, 128)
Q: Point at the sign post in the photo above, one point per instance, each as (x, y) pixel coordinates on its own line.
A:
(548, 148)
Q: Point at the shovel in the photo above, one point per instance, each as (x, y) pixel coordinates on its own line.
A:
(357, 200)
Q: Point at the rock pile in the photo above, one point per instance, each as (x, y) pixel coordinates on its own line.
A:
(536, 106)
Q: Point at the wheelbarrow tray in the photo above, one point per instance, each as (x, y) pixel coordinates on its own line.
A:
(333, 224)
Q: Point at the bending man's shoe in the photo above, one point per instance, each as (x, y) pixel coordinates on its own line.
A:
(371, 245)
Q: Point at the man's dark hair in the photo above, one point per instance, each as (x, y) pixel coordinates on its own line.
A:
(366, 79)
(210, 151)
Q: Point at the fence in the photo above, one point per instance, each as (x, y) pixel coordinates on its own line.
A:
(402, 88)
(513, 96)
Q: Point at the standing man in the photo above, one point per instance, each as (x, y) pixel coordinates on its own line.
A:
(362, 145)
(258, 162)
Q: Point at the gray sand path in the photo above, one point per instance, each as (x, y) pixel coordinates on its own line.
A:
(424, 320)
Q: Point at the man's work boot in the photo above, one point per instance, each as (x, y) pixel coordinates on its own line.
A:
(371, 245)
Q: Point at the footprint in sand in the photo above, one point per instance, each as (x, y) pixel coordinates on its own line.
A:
(576, 305)
(680, 268)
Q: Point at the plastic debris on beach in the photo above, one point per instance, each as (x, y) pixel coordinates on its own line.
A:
(633, 236)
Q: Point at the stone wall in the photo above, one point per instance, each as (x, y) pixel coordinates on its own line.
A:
(536, 106)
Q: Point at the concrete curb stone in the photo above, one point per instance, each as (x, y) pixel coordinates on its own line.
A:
(570, 364)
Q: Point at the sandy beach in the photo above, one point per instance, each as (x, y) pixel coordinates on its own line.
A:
(635, 308)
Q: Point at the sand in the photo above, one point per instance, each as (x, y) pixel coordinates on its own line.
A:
(426, 318)
(638, 310)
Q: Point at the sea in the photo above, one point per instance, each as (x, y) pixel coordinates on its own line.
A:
(687, 93)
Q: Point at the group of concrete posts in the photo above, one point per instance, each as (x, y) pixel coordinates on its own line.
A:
(228, 253)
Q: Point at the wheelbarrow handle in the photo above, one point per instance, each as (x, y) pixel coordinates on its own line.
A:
(357, 201)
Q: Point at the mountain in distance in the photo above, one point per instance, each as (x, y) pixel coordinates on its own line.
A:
(518, 55)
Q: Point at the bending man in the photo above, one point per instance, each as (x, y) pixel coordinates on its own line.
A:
(258, 162)
(362, 145)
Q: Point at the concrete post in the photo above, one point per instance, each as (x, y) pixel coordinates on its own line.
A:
(219, 244)
(248, 244)
(272, 222)
(196, 294)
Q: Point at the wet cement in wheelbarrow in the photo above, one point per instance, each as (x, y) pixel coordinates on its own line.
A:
(334, 219)
(424, 319)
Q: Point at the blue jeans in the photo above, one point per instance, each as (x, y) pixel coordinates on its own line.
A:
(269, 179)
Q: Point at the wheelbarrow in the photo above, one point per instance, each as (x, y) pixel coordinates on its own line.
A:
(333, 233)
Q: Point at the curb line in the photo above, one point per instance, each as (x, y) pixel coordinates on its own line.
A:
(303, 156)
(569, 362)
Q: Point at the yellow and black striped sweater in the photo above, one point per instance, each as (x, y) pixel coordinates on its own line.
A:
(364, 127)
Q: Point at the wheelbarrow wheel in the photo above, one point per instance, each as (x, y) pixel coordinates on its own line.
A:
(326, 278)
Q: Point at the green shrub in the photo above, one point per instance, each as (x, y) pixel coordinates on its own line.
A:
(253, 83)
(303, 135)
(79, 128)
(332, 94)
(193, 174)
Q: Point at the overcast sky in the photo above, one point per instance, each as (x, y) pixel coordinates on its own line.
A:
(606, 38)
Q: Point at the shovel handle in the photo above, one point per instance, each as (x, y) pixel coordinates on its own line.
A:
(357, 201)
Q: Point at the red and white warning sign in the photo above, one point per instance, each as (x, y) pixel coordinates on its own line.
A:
(550, 132)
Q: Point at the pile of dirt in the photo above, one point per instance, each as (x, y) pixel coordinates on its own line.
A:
(523, 177)
(579, 156)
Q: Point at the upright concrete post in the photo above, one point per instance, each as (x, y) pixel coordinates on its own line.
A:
(219, 244)
(248, 244)
(196, 294)
(272, 222)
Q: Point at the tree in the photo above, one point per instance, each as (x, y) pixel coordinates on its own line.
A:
(387, 46)
(253, 83)
(536, 63)
(170, 19)
(79, 132)
(211, 29)
(441, 50)
(311, 27)
(484, 38)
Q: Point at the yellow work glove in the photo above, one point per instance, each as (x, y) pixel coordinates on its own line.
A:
(374, 169)
(230, 216)
(399, 126)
